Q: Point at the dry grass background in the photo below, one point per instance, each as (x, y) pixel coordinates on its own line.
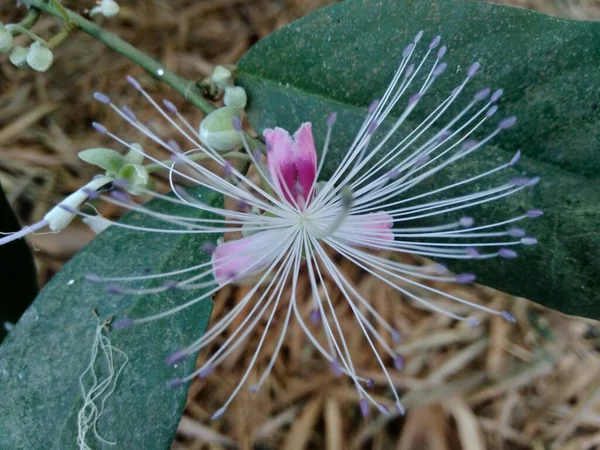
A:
(533, 385)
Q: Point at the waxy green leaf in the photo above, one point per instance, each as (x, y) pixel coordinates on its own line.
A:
(341, 58)
(43, 357)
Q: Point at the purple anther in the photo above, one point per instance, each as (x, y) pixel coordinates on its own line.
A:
(237, 123)
(102, 98)
(516, 232)
(508, 317)
(469, 144)
(529, 240)
(482, 95)
(393, 173)
(515, 159)
(114, 289)
(400, 408)
(415, 98)
(205, 371)
(507, 123)
(331, 119)
(129, 113)
(254, 388)
(208, 248)
(465, 278)
(132, 81)
(520, 181)
(418, 36)
(444, 135)
(490, 112)
(534, 212)
(472, 322)
(399, 362)
(372, 127)
(315, 316)
(336, 368)
(171, 284)
(99, 128)
(67, 208)
(441, 52)
(421, 160)
(369, 383)
(396, 337)
(435, 42)
(119, 196)
(373, 106)
(496, 95)
(439, 69)
(93, 277)
(473, 69)
(407, 50)
(507, 253)
(466, 221)
(175, 383)
(363, 403)
(472, 252)
(170, 106)
(174, 146)
(176, 357)
(227, 169)
(121, 183)
(382, 409)
(123, 322)
(410, 69)
(218, 414)
(91, 193)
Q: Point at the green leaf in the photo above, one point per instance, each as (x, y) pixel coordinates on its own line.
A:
(18, 279)
(105, 158)
(341, 58)
(43, 357)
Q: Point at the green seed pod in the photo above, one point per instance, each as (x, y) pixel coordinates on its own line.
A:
(217, 132)
(39, 57)
(18, 56)
(6, 40)
(235, 96)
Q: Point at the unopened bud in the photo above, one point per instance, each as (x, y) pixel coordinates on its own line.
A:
(18, 56)
(108, 8)
(63, 214)
(6, 40)
(221, 76)
(217, 131)
(235, 96)
(39, 57)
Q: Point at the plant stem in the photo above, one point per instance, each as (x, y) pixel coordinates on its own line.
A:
(16, 29)
(31, 19)
(188, 89)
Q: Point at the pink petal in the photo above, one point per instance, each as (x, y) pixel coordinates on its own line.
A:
(292, 163)
(244, 257)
